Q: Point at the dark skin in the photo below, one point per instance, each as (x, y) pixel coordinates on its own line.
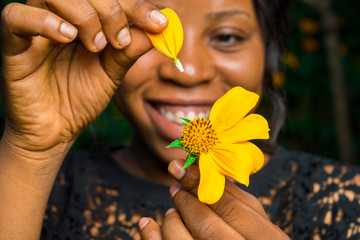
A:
(222, 48)
(237, 215)
(60, 74)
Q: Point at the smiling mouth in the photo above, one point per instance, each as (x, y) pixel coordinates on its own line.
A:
(175, 114)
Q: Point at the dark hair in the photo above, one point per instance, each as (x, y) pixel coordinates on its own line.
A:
(273, 19)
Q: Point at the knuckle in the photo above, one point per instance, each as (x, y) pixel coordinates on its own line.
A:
(45, 18)
(138, 4)
(112, 14)
(182, 200)
(228, 210)
(258, 206)
(87, 18)
(207, 228)
(152, 235)
(139, 8)
(8, 13)
(255, 203)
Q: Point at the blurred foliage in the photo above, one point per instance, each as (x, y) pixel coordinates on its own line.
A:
(305, 78)
(310, 121)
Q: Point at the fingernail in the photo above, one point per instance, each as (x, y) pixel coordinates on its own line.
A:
(100, 41)
(169, 211)
(143, 222)
(174, 189)
(123, 37)
(157, 17)
(68, 31)
(176, 170)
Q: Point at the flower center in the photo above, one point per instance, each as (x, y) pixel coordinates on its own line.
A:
(199, 136)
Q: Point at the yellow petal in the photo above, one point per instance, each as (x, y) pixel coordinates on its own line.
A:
(238, 161)
(170, 40)
(253, 126)
(212, 183)
(231, 108)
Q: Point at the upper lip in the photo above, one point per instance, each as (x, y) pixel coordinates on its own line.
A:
(182, 101)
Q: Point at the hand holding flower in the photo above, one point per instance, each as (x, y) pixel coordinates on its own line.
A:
(237, 215)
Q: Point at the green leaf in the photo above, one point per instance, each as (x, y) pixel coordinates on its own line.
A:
(186, 120)
(189, 161)
(176, 143)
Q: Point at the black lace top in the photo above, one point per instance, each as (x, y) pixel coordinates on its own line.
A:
(309, 197)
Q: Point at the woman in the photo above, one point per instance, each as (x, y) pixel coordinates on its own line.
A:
(62, 65)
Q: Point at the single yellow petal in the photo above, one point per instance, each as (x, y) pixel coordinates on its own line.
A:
(231, 108)
(253, 126)
(212, 183)
(238, 161)
(170, 40)
(175, 31)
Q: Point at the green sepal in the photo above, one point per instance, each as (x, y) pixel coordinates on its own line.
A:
(186, 120)
(192, 153)
(190, 160)
(176, 143)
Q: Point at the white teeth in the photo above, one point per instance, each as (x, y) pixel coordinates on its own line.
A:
(169, 116)
(190, 115)
(177, 116)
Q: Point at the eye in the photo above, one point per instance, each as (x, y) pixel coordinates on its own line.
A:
(227, 41)
(228, 38)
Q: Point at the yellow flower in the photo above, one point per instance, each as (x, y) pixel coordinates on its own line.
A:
(221, 143)
(170, 40)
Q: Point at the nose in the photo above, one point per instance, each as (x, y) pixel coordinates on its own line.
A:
(198, 65)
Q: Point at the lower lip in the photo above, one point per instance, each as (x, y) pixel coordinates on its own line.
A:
(166, 128)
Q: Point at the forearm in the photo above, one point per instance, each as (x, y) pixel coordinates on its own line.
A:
(26, 180)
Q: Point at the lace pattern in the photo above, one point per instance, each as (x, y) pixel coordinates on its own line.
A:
(307, 196)
(311, 197)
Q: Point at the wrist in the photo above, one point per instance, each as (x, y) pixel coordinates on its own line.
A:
(42, 162)
(26, 180)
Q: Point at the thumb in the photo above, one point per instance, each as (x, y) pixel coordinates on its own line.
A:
(117, 62)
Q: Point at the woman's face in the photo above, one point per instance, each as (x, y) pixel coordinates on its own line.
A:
(222, 48)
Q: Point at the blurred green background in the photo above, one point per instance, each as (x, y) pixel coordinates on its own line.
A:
(306, 79)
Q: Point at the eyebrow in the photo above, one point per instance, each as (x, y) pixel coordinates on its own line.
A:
(218, 15)
(223, 14)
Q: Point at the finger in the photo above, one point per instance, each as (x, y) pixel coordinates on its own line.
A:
(246, 197)
(189, 179)
(144, 15)
(241, 218)
(236, 207)
(149, 229)
(117, 62)
(113, 21)
(202, 222)
(245, 219)
(20, 23)
(173, 227)
(85, 18)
